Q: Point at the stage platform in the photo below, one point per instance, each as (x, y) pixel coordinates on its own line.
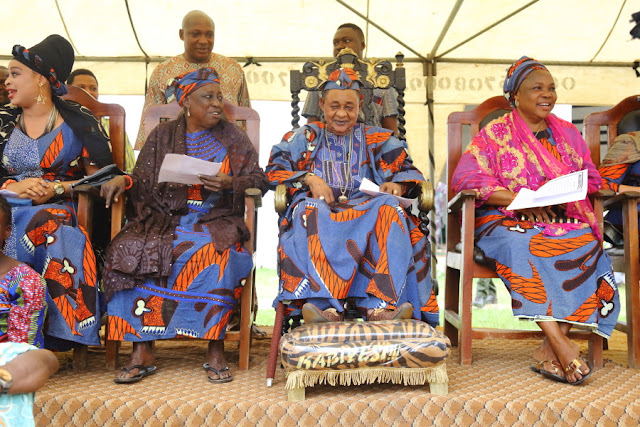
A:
(497, 389)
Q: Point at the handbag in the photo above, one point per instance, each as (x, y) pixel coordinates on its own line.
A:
(100, 177)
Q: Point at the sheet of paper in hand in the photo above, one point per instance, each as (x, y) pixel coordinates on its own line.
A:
(369, 187)
(564, 189)
(185, 169)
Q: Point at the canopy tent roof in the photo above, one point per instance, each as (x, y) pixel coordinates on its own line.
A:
(586, 31)
(585, 43)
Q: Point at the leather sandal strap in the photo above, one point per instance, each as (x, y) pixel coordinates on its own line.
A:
(574, 366)
(556, 365)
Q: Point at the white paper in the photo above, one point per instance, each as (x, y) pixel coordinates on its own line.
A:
(564, 189)
(185, 169)
(369, 187)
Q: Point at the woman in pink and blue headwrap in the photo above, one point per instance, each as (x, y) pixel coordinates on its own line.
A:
(336, 242)
(550, 258)
(178, 266)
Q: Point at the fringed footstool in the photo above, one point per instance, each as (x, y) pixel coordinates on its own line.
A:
(406, 352)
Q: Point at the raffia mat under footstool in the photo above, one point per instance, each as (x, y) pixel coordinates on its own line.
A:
(406, 352)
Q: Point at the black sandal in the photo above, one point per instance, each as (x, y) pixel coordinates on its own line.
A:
(143, 371)
(218, 380)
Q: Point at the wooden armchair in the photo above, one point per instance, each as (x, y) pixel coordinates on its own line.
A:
(629, 262)
(87, 195)
(253, 200)
(373, 73)
(461, 267)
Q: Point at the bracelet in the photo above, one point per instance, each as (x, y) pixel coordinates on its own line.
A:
(130, 184)
(7, 182)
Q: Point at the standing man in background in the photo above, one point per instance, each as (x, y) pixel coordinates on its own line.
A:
(197, 32)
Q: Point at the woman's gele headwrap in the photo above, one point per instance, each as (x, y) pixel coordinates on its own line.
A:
(53, 58)
(342, 78)
(188, 82)
(516, 74)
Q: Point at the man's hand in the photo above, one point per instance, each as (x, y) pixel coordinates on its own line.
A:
(319, 189)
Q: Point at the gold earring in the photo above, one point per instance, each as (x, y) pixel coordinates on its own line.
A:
(40, 98)
(517, 103)
(188, 112)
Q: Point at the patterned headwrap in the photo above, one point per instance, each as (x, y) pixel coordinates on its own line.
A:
(187, 82)
(53, 58)
(342, 78)
(516, 74)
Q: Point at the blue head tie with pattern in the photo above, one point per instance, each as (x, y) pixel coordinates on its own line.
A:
(188, 82)
(517, 72)
(342, 78)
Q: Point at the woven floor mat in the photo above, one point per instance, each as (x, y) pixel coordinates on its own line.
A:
(497, 388)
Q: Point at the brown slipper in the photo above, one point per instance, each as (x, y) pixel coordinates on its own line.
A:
(404, 311)
(312, 314)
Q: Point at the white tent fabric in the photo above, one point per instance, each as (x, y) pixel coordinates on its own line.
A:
(585, 43)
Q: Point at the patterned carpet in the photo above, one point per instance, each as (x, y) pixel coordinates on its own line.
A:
(498, 388)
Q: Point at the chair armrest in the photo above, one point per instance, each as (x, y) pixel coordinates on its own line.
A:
(455, 204)
(602, 194)
(255, 194)
(280, 200)
(87, 190)
(621, 198)
(425, 196)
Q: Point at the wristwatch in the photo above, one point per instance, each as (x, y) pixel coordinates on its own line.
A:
(6, 380)
(58, 188)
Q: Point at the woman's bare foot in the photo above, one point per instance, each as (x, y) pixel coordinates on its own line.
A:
(142, 354)
(566, 351)
(567, 355)
(547, 359)
(216, 366)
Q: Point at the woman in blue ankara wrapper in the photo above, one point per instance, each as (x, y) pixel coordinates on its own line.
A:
(178, 266)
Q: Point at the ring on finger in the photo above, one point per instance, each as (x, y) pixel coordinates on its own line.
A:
(321, 197)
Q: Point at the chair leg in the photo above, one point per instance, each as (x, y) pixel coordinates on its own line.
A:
(275, 343)
(112, 347)
(466, 332)
(452, 302)
(632, 280)
(111, 354)
(80, 355)
(246, 321)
